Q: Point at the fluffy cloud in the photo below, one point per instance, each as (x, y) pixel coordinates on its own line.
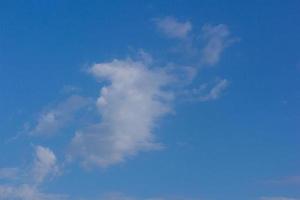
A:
(216, 38)
(27, 188)
(56, 118)
(173, 28)
(45, 164)
(130, 104)
(132, 98)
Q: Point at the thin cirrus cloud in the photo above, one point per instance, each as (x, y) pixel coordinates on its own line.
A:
(215, 92)
(173, 28)
(130, 104)
(55, 119)
(216, 38)
(207, 91)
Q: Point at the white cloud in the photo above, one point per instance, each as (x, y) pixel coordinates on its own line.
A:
(207, 92)
(216, 91)
(130, 105)
(216, 39)
(278, 198)
(173, 28)
(45, 164)
(53, 120)
(25, 192)
(132, 100)
(27, 188)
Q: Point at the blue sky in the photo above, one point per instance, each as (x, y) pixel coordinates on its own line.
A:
(149, 100)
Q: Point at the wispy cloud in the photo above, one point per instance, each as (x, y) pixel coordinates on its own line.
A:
(173, 28)
(204, 48)
(56, 118)
(215, 92)
(130, 105)
(45, 164)
(207, 91)
(216, 39)
(28, 187)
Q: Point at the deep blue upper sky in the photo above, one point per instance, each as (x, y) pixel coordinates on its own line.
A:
(238, 142)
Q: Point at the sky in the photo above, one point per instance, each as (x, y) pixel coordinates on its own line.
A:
(149, 100)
